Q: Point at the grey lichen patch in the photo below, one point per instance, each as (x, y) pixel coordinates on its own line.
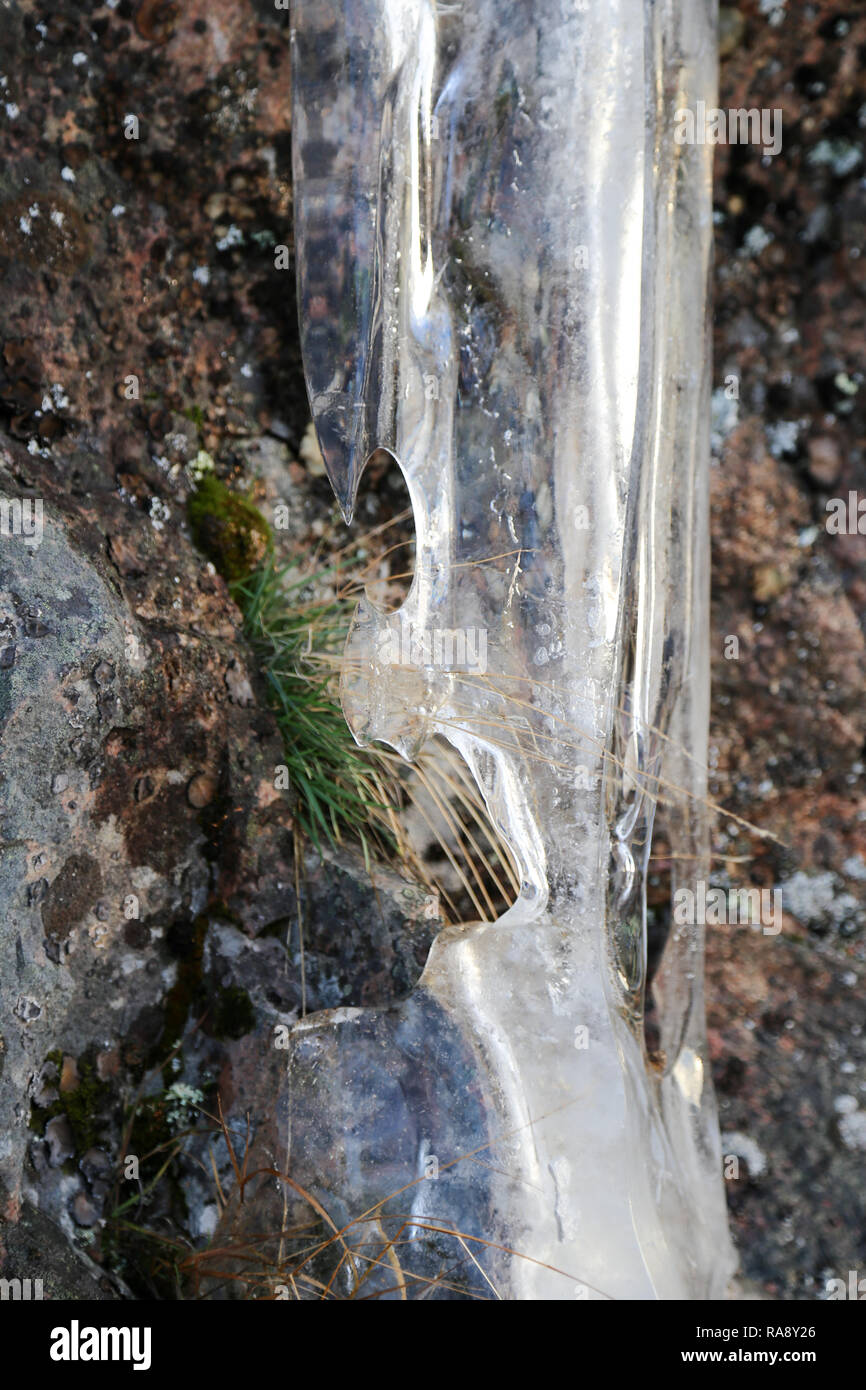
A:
(819, 903)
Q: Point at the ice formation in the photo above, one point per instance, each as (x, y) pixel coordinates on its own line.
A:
(503, 256)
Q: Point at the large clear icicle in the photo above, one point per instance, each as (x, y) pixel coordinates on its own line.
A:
(503, 257)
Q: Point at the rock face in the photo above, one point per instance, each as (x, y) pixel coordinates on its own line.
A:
(137, 762)
(144, 850)
(56, 1271)
(789, 719)
(137, 795)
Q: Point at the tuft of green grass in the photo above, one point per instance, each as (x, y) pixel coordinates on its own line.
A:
(297, 627)
(297, 619)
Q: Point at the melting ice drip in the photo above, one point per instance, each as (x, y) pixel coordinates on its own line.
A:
(503, 257)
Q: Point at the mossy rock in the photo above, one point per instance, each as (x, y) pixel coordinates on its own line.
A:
(88, 1106)
(233, 1014)
(230, 531)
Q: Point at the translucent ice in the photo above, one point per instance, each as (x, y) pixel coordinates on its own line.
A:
(503, 256)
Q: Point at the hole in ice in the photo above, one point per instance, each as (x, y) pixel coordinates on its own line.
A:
(383, 512)
(451, 837)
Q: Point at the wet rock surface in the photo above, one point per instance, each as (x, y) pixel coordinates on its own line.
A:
(149, 940)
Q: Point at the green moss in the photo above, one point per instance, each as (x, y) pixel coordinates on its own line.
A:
(86, 1108)
(185, 940)
(230, 531)
(150, 1133)
(504, 104)
(233, 1014)
(228, 1012)
(146, 1257)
